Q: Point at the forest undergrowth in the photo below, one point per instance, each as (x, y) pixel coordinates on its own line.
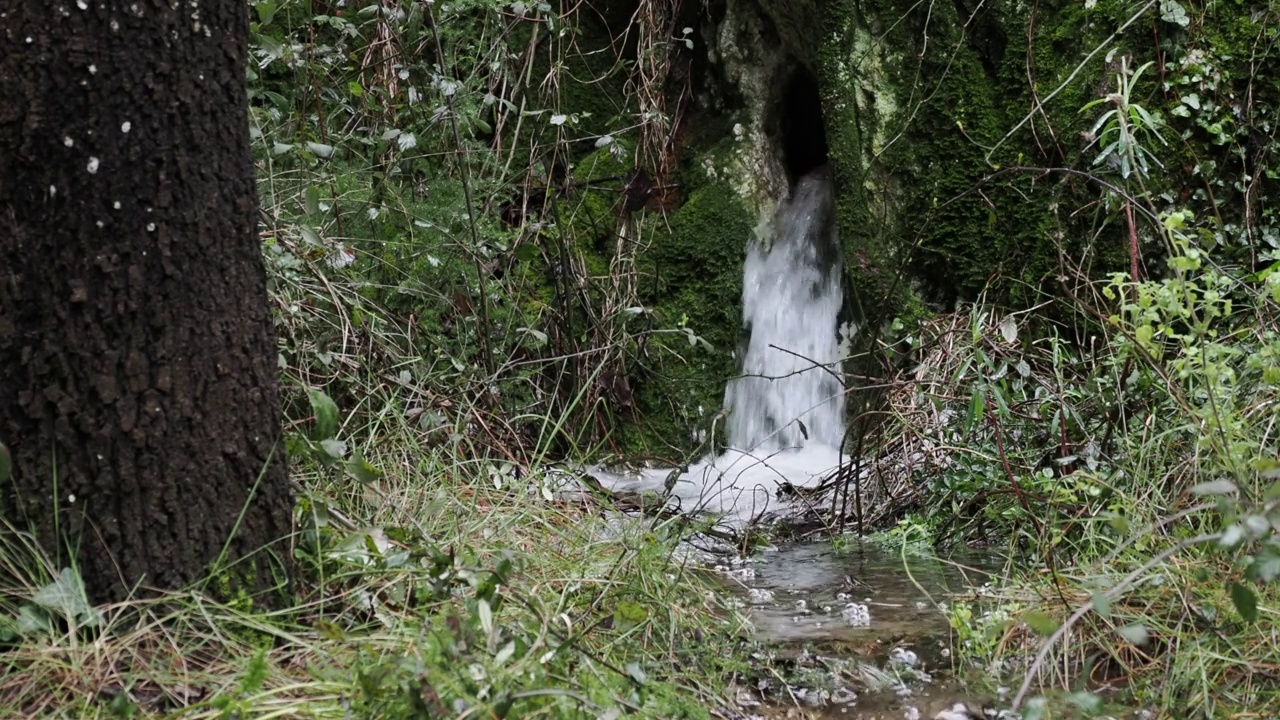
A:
(456, 260)
(455, 294)
(1118, 439)
(1120, 445)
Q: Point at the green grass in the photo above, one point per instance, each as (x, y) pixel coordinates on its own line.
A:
(436, 592)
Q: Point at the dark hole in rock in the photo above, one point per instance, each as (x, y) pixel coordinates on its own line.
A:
(799, 124)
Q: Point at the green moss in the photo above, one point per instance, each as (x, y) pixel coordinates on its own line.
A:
(910, 130)
(919, 134)
(592, 215)
(693, 280)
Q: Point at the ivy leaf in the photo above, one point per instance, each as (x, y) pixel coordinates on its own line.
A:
(1171, 11)
(1265, 566)
(66, 596)
(1040, 623)
(326, 414)
(1135, 634)
(1245, 601)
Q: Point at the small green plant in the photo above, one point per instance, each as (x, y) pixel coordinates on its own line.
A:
(1124, 131)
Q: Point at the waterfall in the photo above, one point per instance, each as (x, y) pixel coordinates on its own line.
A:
(789, 392)
(786, 406)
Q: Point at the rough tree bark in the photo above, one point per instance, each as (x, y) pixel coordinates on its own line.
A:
(138, 389)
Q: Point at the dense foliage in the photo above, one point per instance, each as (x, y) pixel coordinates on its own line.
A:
(492, 245)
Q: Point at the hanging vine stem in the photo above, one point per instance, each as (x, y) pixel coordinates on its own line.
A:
(465, 172)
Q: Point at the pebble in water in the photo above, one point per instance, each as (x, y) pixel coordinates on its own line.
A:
(758, 596)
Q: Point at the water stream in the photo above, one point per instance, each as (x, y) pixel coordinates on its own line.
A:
(891, 657)
(862, 619)
(789, 396)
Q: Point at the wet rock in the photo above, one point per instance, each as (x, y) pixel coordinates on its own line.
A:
(759, 596)
(959, 711)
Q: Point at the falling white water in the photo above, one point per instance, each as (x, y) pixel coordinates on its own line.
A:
(786, 408)
(789, 393)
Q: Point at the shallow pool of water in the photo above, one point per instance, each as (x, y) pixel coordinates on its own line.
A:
(868, 625)
(812, 583)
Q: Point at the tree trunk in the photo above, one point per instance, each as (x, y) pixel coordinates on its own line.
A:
(138, 388)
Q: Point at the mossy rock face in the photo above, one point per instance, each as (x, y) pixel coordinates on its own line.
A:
(694, 284)
(909, 128)
(928, 109)
(689, 264)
